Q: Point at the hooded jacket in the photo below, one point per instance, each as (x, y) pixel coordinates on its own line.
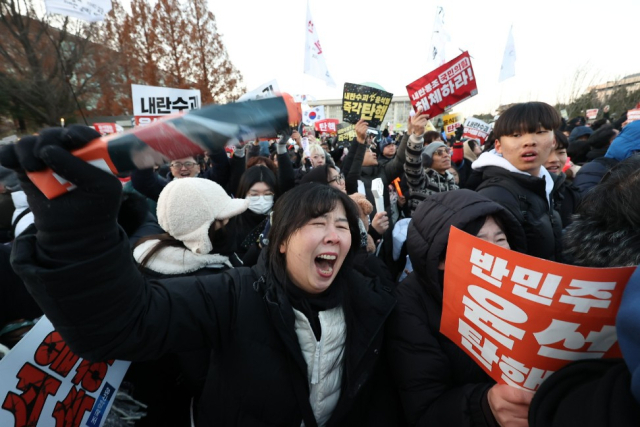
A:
(439, 384)
(528, 198)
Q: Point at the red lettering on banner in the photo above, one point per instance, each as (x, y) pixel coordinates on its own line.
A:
(91, 374)
(69, 412)
(36, 386)
(53, 350)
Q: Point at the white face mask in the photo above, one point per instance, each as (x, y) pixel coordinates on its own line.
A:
(260, 204)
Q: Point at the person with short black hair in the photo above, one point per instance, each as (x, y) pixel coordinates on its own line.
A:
(513, 174)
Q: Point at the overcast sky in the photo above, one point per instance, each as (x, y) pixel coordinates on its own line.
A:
(387, 41)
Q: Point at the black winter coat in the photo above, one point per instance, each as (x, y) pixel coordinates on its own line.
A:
(591, 173)
(525, 197)
(439, 384)
(258, 376)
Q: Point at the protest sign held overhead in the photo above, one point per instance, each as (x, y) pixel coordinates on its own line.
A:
(366, 103)
(107, 128)
(633, 115)
(327, 126)
(151, 103)
(592, 114)
(444, 87)
(521, 318)
(44, 384)
(346, 132)
(451, 122)
(476, 129)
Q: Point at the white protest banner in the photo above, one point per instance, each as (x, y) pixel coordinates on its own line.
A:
(87, 10)
(44, 384)
(476, 129)
(266, 90)
(592, 113)
(633, 115)
(151, 103)
(521, 318)
(508, 68)
(315, 63)
(439, 39)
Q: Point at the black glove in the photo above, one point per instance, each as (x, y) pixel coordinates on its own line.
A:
(78, 225)
(281, 145)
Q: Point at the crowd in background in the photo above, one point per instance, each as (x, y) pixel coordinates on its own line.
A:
(207, 264)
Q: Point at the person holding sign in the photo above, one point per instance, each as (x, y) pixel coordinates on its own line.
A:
(439, 384)
(426, 168)
(295, 339)
(513, 174)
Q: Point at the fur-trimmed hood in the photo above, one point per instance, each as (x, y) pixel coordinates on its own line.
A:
(172, 260)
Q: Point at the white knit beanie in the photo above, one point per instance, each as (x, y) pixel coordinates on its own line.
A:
(188, 206)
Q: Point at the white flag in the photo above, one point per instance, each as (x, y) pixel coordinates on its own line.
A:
(87, 10)
(313, 115)
(439, 39)
(314, 61)
(508, 68)
(266, 90)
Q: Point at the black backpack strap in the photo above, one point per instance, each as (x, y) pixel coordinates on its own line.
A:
(523, 203)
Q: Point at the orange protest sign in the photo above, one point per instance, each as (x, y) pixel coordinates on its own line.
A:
(521, 318)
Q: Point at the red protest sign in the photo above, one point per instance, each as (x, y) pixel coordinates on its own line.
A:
(327, 125)
(445, 86)
(592, 113)
(105, 128)
(476, 129)
(522, 318)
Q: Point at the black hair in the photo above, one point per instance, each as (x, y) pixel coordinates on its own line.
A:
(562, 142)
(602, 137)
(472, 143)
(527, 117)
(253, 175)
(605, 231)
(431, 136)
(297, 207)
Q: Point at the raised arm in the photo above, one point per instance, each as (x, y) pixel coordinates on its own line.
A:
(78, 266)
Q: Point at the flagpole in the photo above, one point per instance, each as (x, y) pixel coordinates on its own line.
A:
(64, 71)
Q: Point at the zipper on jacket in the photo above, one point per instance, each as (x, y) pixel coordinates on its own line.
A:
(315, 374)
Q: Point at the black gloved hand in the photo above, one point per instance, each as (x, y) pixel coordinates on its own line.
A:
(77, 225)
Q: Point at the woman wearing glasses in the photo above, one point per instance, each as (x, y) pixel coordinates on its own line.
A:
(150, 183)
(426, 168)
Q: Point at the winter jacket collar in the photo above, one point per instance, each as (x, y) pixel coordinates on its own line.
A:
(492, 158)
(172, 260)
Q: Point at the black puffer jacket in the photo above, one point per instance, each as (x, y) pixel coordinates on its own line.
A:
(526, 198)
(258, 376)
(439, 384)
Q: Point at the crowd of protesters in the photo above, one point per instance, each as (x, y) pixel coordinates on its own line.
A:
(270, 283)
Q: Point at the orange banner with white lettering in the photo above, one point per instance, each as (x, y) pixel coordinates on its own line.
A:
(521, 318)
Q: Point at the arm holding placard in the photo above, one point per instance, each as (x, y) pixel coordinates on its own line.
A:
(79, 267)
(439, 384)
(352, 165)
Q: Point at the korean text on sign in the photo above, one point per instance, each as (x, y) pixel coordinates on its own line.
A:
(346, 132)
(45, 384)
(521, 318)
(366, 103)
(445, 86)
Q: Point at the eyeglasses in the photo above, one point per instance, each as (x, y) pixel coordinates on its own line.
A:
(442, 151)
(339, 179)
(178, 165)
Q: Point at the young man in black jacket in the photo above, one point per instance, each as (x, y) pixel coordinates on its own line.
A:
(513, 174)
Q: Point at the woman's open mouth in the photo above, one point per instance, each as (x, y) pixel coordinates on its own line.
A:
(324, 264)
